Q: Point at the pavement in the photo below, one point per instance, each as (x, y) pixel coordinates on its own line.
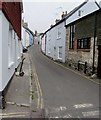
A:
(21, 98)
(49, 90)
(64, 92)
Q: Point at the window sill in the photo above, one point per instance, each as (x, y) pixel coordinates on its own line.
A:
(59, 58)
(10, 65)
(84, 50)
(71, 49)
(58, 38)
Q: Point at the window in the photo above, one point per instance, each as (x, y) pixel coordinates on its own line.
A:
(72, 32)
(49, 49)
(59, 33)
(83, 43)
(10, 47)
(79, 13)
(60, 53)
(49, 37)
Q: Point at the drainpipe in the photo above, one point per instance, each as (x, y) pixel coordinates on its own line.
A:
(95, 24)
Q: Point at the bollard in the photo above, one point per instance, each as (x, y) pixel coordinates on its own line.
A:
(85, 67)
(78, 65)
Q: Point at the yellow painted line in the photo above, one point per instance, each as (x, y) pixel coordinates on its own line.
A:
(40, 90)
(37, 86)
(72, 70)
(13, 113)
(38, 104)
(13, 116)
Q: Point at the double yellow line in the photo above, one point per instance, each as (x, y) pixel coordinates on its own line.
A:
(13, 115)
(40, 99)
(40, 96)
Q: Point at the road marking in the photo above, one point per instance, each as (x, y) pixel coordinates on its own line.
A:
(83, 106)
(13, 113)
(67, 116)
(37, 91)
(90, 113)
(63, 108)
(72, 70)
(13, 116)
(40, 99)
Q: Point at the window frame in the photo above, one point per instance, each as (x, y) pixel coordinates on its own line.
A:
(60, 56)
(72, 36)
(83, 43)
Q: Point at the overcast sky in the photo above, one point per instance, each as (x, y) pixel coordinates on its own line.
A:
(41, 14)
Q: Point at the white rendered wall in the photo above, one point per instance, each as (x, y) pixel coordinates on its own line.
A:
(8, 68)
(43, 44)
(0, 51)
(53, 41)
(87, 9)
(25, 38)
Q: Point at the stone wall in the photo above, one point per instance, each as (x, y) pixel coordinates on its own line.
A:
(75, 55)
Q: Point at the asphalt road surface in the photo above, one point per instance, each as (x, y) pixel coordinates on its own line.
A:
(65, 93)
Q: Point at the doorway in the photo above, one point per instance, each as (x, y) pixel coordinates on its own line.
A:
(99, 62)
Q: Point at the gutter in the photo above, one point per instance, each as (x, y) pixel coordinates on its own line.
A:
(95, 24)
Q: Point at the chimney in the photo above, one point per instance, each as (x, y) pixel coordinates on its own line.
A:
(51, 26)
(64, 14)
(57, 20)
(25, 24)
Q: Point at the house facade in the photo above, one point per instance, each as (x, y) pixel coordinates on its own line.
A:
(43, 43)
(27, 37)
(55, 42)
(74, 39)
(98, 34)
(82, 43)
(10, 39)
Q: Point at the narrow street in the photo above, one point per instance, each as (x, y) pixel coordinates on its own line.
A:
(65, 94)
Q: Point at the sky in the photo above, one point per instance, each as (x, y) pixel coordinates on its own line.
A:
(42, 14)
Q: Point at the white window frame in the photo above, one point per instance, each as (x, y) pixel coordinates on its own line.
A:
(10, 47)
(59, 52)
(59, 33)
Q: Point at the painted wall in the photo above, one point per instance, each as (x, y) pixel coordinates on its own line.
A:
(88, 8)
(53, 42)
(43, 44)
(0, 51)
(25, 37)
(31, 39)
(11, 51)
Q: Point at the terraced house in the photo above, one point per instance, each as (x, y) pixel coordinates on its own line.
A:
(10, 42)
(75, 39)
(83, 42)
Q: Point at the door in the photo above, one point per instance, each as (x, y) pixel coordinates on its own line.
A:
(54, 53)
(99, 61)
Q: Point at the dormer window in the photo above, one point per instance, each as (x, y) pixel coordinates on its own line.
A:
(79, 13)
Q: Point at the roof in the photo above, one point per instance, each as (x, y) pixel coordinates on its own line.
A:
(68, 15)
(71, 13)
(29, 30)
